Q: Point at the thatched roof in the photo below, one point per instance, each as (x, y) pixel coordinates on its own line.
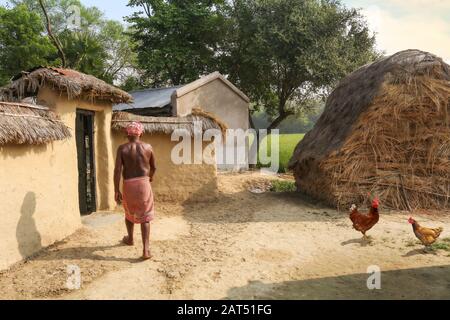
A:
(29, 124)
(355, 94)
(167, 125)
(74, 84)
(385, 130)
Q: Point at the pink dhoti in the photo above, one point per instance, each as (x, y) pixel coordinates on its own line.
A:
(138, 200)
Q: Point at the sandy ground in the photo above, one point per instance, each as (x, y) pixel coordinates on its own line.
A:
(242, 246)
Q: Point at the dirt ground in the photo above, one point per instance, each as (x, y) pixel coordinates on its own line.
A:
(242, 246)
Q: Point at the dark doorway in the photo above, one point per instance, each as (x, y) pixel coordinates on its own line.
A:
(86, 169)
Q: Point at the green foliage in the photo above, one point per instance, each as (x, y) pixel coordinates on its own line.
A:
(441, 246)
(286, 54)
(300, 123)
(22, 43)
(92, 44)
(178, 40)
(283, 186)
(84, 52)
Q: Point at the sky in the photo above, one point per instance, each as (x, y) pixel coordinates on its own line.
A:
(398, 24)
(409, 24)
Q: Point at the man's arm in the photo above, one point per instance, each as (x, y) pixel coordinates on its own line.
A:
(152, 165)
(117, 176)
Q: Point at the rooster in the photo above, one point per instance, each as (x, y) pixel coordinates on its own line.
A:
(427, 236)
(365, 222)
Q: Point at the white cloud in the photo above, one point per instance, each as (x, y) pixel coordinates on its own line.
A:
(434, 4)
(414, 30)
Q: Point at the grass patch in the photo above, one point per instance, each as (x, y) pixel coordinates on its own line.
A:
(446, 240)
(283, 186)
(441, 246)
(287, 143)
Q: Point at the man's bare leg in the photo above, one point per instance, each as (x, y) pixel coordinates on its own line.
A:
(128, 240)
(145, 230)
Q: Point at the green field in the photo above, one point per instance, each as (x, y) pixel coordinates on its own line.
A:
(288, 142)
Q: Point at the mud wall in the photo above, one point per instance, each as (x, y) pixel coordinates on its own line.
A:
(39, 184)
(172, 182)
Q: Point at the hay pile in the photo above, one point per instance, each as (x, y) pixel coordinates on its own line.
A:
(29, 124)
(74, 84)
(385, 131)
(167, 125)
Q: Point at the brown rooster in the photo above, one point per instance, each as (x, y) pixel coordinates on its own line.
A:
(427, 236)
(365, 222)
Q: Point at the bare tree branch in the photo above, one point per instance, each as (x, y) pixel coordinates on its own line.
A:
(52, 36)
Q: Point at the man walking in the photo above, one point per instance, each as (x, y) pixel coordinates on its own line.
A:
(136, 163)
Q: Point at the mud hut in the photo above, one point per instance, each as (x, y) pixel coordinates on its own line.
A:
(212, 93)
(56, 159)
(193, 181)
(385, 131)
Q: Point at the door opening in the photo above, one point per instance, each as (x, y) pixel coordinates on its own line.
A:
(86, 168)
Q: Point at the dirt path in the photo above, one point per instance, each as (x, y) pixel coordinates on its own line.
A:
(243, 246)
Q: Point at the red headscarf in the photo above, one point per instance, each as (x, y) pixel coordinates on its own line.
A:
(135, 129)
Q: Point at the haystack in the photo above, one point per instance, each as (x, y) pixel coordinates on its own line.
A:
(167, 125)
(30, 124)
(385, 131)
(74, 84)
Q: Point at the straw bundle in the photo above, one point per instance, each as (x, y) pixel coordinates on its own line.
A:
(29, 124)
(394, 141)
(70, 82)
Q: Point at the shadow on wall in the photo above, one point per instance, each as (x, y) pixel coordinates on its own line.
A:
(21, 151)
(420, 283)
(28, 237)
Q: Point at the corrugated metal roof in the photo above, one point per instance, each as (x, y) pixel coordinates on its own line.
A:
(148, 98)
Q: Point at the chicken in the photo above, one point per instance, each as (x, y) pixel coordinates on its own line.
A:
(365, 222)
(427, 236)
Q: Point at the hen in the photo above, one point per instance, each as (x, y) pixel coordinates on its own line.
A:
(427, 236)
(365, 222)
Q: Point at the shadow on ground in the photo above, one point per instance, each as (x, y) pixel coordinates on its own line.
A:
(266, 207)
(420, 283)
(84, 253)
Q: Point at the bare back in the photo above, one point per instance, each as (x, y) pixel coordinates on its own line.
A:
(136, 159)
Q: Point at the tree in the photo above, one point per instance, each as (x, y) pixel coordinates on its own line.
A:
(90, 43)
(52, 37)
(177, 40)
(121, 58)
(288, 53)
(22, 43)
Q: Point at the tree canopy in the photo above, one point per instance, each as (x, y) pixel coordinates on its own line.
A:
(22, 43)
(91, 43)
(178, 40)
(285, 54)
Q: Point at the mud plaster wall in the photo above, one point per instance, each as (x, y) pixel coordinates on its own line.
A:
(218, 98)
(39, 184)
(36, 195)
(186, 182)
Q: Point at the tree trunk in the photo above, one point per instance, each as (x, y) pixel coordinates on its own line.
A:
(282, 114)
(275, 123)
(52, 36)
